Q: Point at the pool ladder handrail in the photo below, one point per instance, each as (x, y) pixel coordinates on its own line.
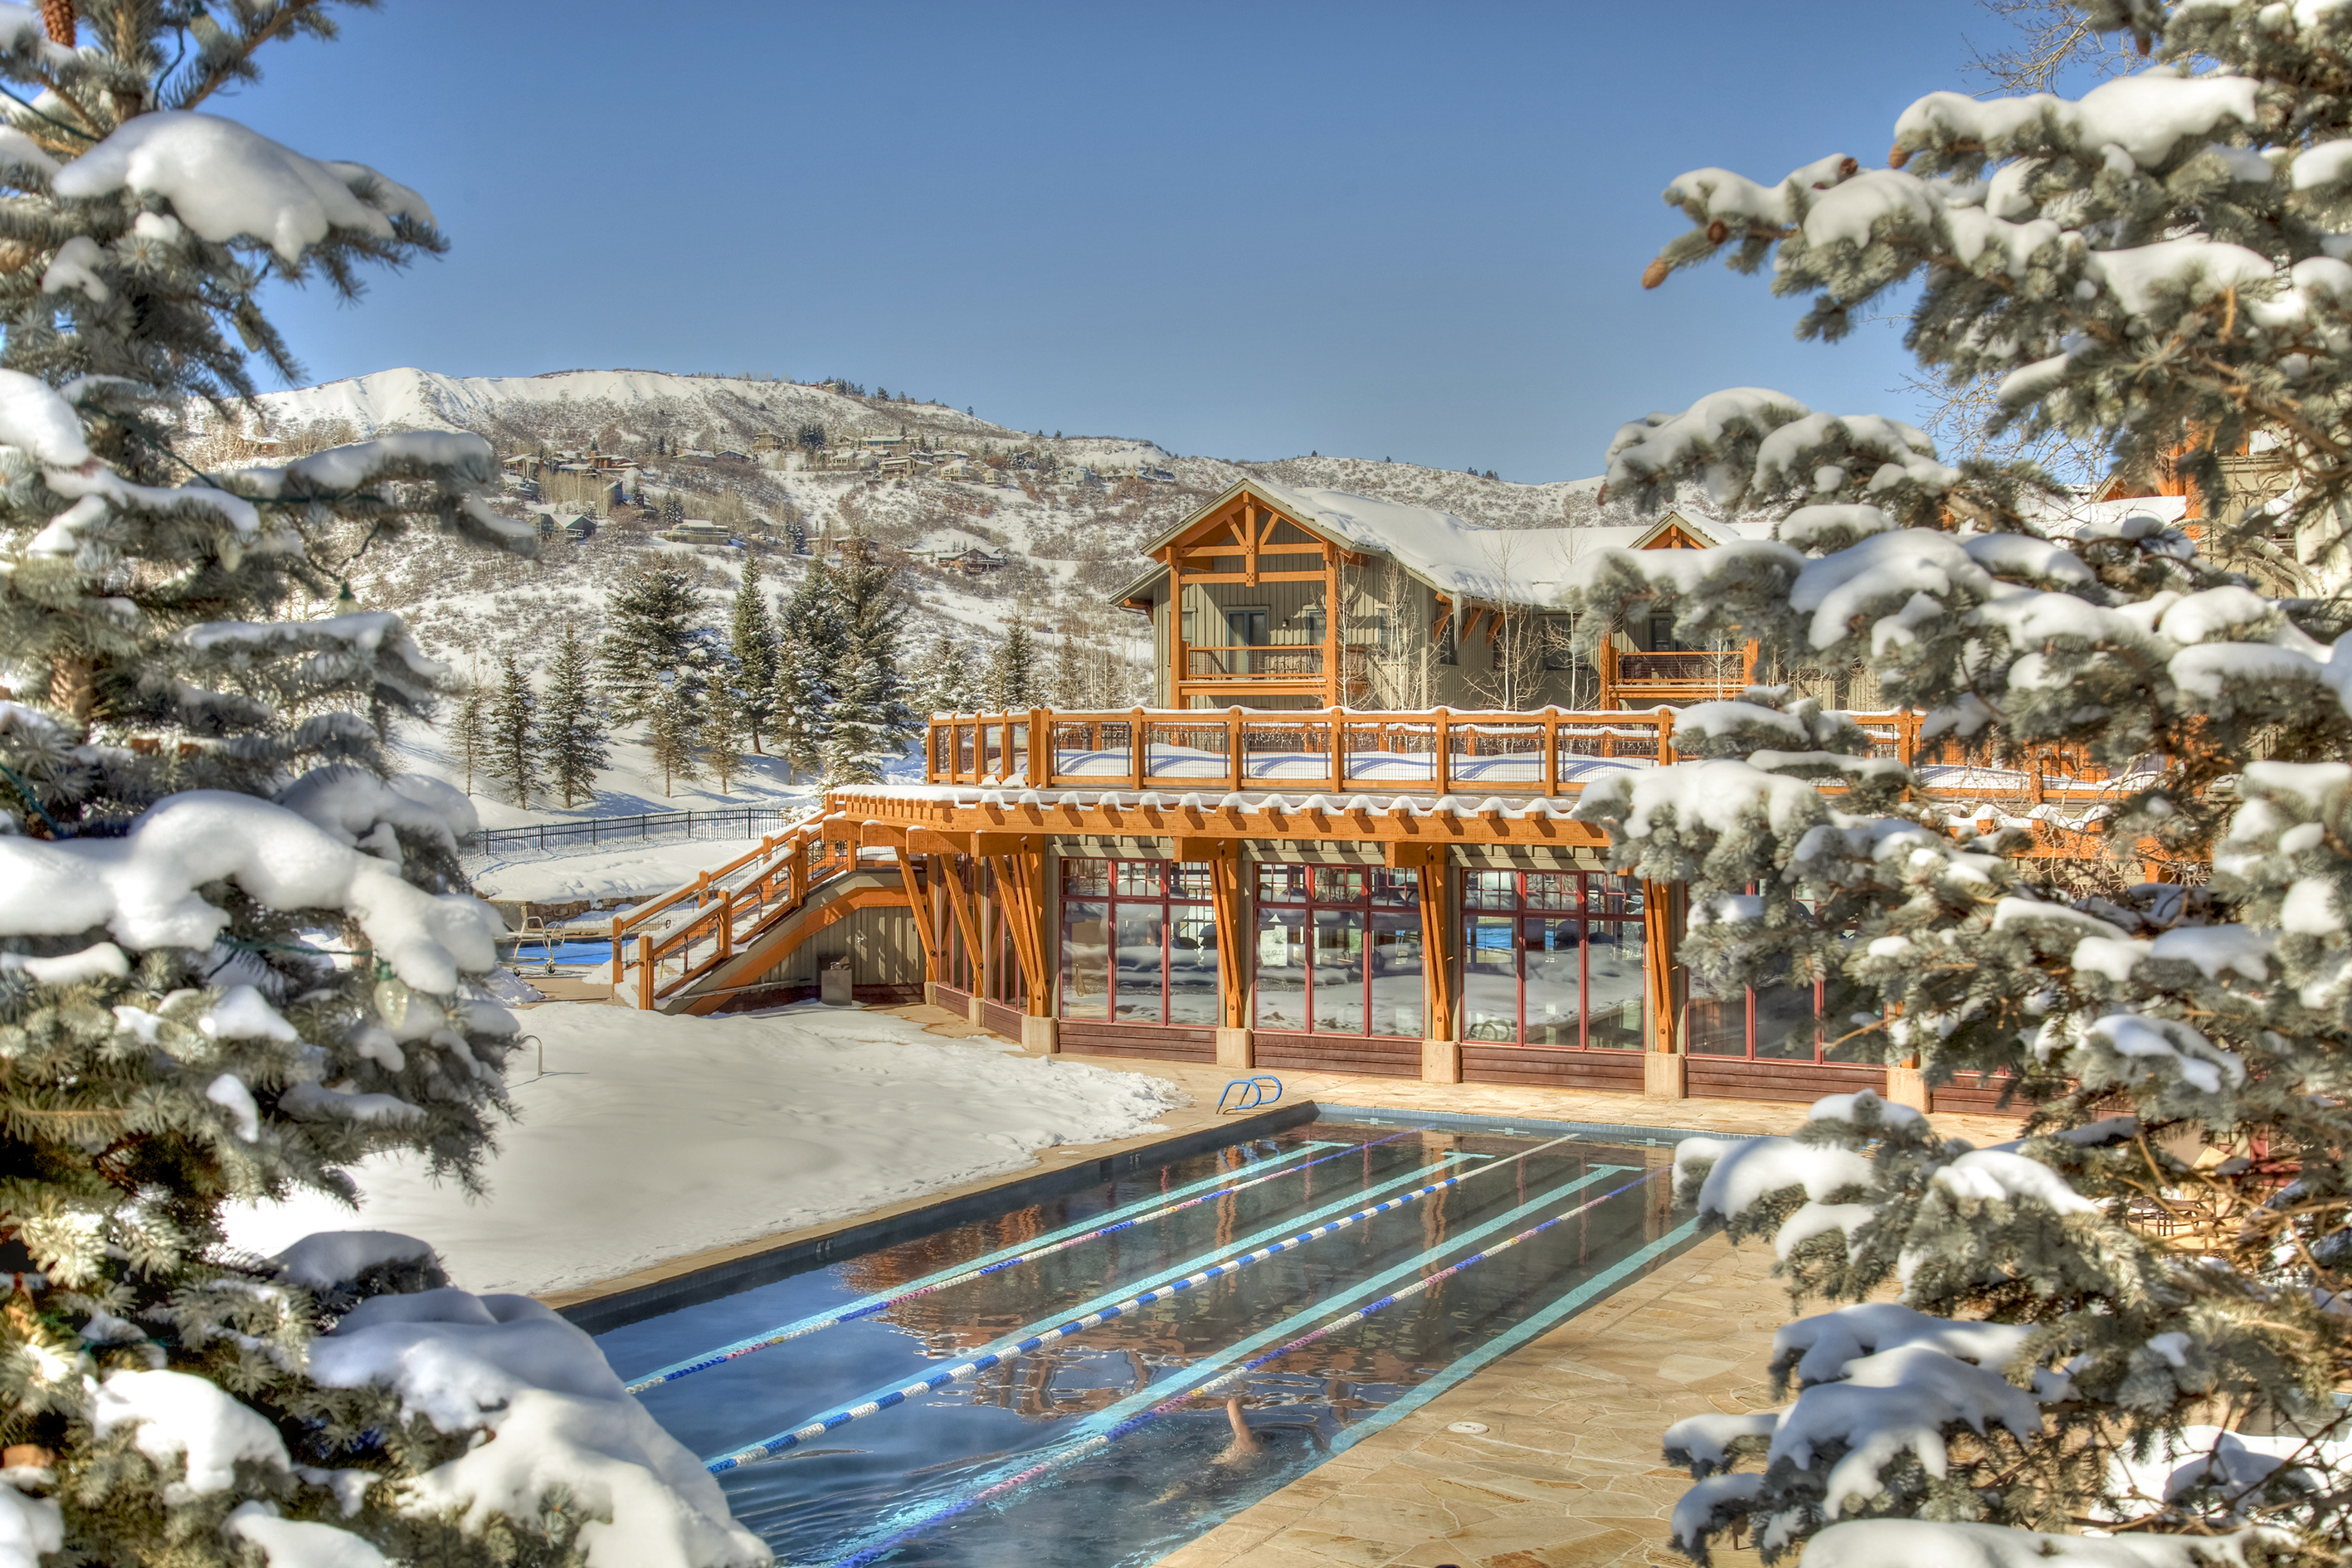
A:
(1253, 1093)
(546, 942)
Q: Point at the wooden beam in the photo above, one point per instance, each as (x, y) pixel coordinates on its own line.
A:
(919, 900)
(960, 902)
(1331, 694)
(1658, 941)
(1249, 536)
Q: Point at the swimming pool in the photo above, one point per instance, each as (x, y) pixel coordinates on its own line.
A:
(1096, 1379)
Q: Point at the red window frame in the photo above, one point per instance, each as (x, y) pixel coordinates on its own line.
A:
(1167, 885)
(1367, 889)
(1590, 898)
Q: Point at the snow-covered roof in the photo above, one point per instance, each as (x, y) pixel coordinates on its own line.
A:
(1453, 556)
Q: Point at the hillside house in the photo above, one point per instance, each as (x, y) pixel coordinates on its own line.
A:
(1433, 611)
(699, 530)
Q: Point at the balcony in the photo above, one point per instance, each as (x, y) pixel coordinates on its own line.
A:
(1437, 752)
(1253, 663)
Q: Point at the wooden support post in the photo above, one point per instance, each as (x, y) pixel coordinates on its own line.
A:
(1237, 761)
(1441, 761)
(1665, 722)
(1552, 748)
(960, 905)
(919, 904)
(1136, 747)
(1335, 740)
(1042, 748)
(1333, 695)
(645, 972)
(1665, 1074)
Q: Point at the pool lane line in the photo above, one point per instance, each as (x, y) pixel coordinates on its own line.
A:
(1513, 1338)
(1168, 1282)
(1125, 1218)
(1094, 1433)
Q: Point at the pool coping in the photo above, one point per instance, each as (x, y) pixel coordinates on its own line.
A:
(1628, 1132)
(598, 1309)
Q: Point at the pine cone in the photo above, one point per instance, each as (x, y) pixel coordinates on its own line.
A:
(1656, 273)
(57, 19)
(1897, 157)
(1717, 231)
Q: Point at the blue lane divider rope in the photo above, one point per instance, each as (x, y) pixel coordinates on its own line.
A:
(1086, 1230)
(1098, 1312)
(1096, 1431)
(1118, 1303)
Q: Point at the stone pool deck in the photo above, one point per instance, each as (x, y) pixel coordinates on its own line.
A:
(1566, 1473)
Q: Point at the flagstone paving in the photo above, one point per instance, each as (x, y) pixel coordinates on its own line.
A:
(1568, 1472)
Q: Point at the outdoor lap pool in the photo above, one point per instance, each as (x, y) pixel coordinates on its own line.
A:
(1096, 1433)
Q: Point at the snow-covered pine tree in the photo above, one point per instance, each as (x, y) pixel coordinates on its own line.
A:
(650, 620)
(752, 639)
(673, 730)
(726, 730)
(1016, 679)
(571, 730)
(234, 958)
(946, 681)
(871, 721)
(2133, 1317)
(515, 739)
(809, 643)
(470, 727)
(1068, 687)
(673, 510)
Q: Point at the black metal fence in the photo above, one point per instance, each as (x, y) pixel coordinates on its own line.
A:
(737, 822)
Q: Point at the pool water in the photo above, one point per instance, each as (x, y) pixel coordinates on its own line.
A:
(569, 951)
(1114, 1444)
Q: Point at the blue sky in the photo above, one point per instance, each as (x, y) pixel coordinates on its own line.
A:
(1245, 230)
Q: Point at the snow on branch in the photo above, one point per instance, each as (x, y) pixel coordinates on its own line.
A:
(143, 886)
(556, 1414)
(226, 181)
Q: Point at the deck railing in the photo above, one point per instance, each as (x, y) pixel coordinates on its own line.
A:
(1439, 752)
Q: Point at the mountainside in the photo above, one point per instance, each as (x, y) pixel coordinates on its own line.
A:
(1068, 515)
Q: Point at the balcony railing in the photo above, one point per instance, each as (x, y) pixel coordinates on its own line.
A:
(1682, 668)
(1433, 753)
(1255, 663)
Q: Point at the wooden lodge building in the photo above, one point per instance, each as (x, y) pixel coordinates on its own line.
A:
(1340, 841)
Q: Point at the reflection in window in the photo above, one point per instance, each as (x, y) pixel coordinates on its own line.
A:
(1139, 942)
(1553, 959)
(1340, 950)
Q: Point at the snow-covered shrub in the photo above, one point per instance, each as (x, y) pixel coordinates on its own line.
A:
(235, 958)
(2132, 1318)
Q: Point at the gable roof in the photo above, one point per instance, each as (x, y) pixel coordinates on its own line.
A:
(1458, 559)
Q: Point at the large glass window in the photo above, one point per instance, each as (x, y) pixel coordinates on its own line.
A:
(1139, 942)
(1554, 959)
(1783, 1023)
(1339, 951)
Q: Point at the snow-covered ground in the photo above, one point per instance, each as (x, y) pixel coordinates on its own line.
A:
(622, 871)
(651, 1137)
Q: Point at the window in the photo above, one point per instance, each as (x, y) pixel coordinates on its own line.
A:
(1449, 650)
(1339, 951)
(1770, 1022)
(1553, 959)
(1139, 942)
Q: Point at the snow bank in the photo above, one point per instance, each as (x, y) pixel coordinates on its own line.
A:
(651, 1137)
(556, 1414)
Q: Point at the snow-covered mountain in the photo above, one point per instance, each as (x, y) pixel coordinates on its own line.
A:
(1071, 527)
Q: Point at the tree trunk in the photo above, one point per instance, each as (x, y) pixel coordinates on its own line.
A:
(73, 686)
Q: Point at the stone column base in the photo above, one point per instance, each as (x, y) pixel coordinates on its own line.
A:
(1664, 1075)
(972, 1015)
(1236, 1049)
(1907, 1086)
(1441, 1061)
(931, 993)
(1039, 1034)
